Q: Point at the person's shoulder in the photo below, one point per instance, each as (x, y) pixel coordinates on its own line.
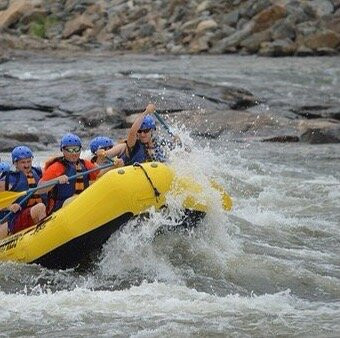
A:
(88, 164)
(54, 167)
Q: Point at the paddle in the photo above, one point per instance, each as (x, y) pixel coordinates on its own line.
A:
(168, 129)
(163, 123)
(8, 197)
(226, 200)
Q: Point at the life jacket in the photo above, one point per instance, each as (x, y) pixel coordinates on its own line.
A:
(3, 212)
(18, 181)
(138, 154)
(62, 192)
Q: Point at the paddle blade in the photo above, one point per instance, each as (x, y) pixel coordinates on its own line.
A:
(227, 202)
(8, 197)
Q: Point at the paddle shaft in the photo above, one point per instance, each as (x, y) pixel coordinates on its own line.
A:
(31, 191)
(163, 123)
(167, 128)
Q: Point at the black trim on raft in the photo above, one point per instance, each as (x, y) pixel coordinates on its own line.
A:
(79, 251)
(76, 251)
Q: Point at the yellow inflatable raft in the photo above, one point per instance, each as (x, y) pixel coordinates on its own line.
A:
(68, 236)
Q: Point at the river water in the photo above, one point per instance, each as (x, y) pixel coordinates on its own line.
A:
(268, 268)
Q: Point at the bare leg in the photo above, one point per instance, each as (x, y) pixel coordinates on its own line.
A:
(38, 212)
(69, 200)
(3, 230)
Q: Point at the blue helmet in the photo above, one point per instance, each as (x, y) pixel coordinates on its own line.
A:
(21, 152)
(4, 167)
(100, 142)
(70, 140)
(148, 123)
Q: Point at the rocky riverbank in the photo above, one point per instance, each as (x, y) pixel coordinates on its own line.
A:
(265, 27)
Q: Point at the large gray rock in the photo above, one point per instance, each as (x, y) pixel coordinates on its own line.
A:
(3, 4)
(322, 7)
(253, 42)
(231, 18)
(319, 131)
(317, 111)
(324, 38)
(284, 47)
(77, 26)
(299, 12)
(255, 7)
(283, 29)
(306, 28)
(238, 125)
(336, 4)
(14, 12)
(233, 40)
(96, 116)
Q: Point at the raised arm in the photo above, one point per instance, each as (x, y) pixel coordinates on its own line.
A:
(132, 135)
(117, 150)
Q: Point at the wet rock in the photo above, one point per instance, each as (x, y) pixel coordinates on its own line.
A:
(319, 131)
(282, 139)
(37, 141)
(237, 124)
(209, 96)
(317, 111)
(96, 116)
(7, 145)
(23, 137)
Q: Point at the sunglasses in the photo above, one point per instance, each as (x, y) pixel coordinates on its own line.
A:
(72, 150)
(145, 131)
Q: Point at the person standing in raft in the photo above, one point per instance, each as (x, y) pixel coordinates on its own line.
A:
(60, 168)
(31, 212)
(106, 143)
(141, 144)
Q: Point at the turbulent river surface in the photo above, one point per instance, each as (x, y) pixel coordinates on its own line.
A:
(268, 268)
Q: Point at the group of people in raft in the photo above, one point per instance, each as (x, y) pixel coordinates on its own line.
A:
(141, 145)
